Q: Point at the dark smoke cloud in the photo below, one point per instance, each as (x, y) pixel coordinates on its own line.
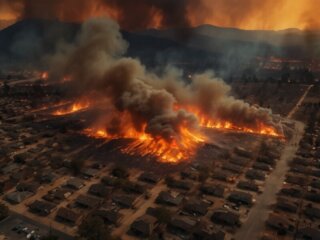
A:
(96, 63)
(139, 14)
(131, 15)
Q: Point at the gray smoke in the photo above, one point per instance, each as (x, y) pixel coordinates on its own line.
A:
(96, 63)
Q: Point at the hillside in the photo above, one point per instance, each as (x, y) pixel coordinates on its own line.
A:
(204, 47)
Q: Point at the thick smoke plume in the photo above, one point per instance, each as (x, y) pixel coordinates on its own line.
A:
(131, 15)
(160, 104)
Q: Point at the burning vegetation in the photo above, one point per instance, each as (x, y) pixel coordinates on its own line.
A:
(163, 115)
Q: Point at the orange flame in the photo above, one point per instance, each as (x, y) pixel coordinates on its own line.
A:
(207, 122)
(75, 107)
(44, 75)
(174, 150)
(177, 148)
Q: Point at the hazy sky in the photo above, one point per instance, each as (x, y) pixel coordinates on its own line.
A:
(139, 14)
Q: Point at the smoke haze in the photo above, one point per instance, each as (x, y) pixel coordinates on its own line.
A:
(141, 14)
(164, 104)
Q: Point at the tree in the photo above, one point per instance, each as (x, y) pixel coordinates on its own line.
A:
(93, 228)
(4, 211)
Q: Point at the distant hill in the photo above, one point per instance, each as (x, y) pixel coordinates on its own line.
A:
(5, 23)
(290, 43)
(204, 47)
(29, 41)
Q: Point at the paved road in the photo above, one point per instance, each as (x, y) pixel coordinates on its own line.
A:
(296, 107)
(255, 224)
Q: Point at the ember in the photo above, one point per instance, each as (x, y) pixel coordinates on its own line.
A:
(44, 75)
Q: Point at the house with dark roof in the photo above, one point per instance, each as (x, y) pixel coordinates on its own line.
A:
(196, 207)
(169, 198)
(312, 212)
(110, 181)
(110, 217)
(48, 177)
(241, 161)
(90, 172)
(180, 184)
(206, 233)
(67, 216)
(248, 185)
(243, 152)
(182, 226)
(190, 174)
(58, 194)
(232, 168)
(86, 201)
(143, 226)
(7, 184)
(226, 217)
(255, 175)
(224, 176)
(313, 196)
(28, 187)
(262, 166)
(279, 222)
(315, 183)
(10, 168)
(268, 160)
(297, 180)
(42, 208)
(287, 205)
(216, 190)
(291, 191)
(242, 198)
(124, 200)
(99, 190)
(75, 183)
(300, 169)
(308, 233)
(149, 177)
(17, 197)
(135, 188)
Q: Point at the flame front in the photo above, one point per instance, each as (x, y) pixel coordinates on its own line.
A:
(173, 150)
(177, 148)
(44, 75)
(261, 130)
(75, 107)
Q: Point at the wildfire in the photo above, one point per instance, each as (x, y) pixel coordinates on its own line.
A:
(44, 75)
(261, 130)
(207, 122)
(177, 148)
(75, 107)
(174, 150)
